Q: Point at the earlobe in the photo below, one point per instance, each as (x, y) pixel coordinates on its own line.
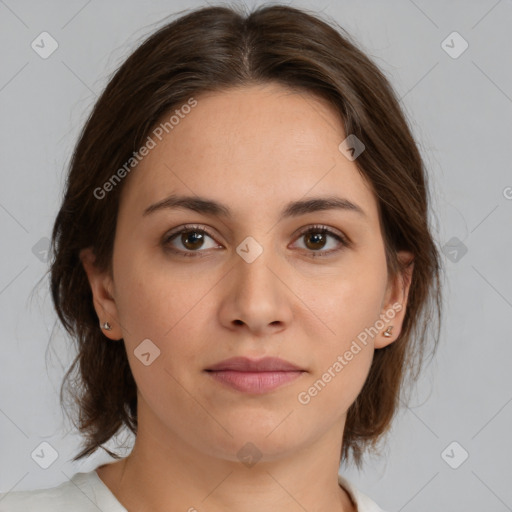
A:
(101, 288)
(397, 293)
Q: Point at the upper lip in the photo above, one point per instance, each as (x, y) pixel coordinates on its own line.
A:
(245, 364)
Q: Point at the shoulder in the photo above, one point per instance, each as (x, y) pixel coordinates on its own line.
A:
(62, 497)
(76, 494)
(363, 502)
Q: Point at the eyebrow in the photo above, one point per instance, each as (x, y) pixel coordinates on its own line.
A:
(292, 209)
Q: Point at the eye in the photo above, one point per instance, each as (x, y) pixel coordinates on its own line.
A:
(317, 237)
(191, 239)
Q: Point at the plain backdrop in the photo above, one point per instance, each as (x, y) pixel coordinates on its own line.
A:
(451, 448)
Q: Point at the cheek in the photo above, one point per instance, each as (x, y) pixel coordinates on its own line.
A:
(164, 309)
(155, 298)
(168, 307)
(350, 305)
(350, 300)
(342, 360)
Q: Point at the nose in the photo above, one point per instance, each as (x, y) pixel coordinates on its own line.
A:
(258, 298)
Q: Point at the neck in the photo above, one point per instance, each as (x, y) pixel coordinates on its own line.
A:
(165, 473)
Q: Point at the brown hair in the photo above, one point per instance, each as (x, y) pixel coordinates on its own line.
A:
(213, 49)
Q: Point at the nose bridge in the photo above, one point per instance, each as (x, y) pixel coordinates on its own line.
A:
(257, 258)
(257, 294)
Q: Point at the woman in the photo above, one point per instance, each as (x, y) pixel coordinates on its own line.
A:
(244, 258)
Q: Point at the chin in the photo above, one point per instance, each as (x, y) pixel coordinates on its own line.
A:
(258, 440)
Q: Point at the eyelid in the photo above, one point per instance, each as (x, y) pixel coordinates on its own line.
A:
(187, 228)
(327, 229)
(341, 238)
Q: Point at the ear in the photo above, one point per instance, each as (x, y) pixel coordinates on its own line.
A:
(101, 286)
(395, 300)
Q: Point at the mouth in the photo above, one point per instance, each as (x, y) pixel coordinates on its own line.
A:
(254, 376)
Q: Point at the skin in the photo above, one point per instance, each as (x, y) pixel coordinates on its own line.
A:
(253, 149)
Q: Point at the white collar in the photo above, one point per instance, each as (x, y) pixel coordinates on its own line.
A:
(362, 502)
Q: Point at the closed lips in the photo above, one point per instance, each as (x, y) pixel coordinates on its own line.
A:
(255, 377)
(244, 364)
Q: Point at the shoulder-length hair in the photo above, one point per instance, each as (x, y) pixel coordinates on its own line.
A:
(213, 49)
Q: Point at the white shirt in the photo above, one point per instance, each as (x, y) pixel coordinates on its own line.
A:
(86, 492)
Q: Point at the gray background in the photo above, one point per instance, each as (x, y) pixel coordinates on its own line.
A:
(461, 113)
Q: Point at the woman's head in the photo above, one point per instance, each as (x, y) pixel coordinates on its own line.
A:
(254, 113)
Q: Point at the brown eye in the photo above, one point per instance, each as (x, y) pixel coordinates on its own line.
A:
(189, 241)
(317, 237)
(192, 239)
(315, 241)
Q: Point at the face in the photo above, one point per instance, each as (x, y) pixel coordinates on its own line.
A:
(194, 287)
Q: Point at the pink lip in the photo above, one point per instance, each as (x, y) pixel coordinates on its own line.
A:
(266, 364)
(255, 376)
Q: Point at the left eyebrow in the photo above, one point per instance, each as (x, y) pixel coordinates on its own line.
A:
(292, 209)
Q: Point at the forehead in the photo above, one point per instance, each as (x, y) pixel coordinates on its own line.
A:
(254, 148)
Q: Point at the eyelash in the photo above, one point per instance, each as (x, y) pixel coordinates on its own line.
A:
(317, 229)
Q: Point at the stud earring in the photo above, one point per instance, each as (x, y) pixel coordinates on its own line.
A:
(107, 326)
(387, 332)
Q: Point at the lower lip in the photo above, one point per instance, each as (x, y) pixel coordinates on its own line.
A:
(254, 382)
